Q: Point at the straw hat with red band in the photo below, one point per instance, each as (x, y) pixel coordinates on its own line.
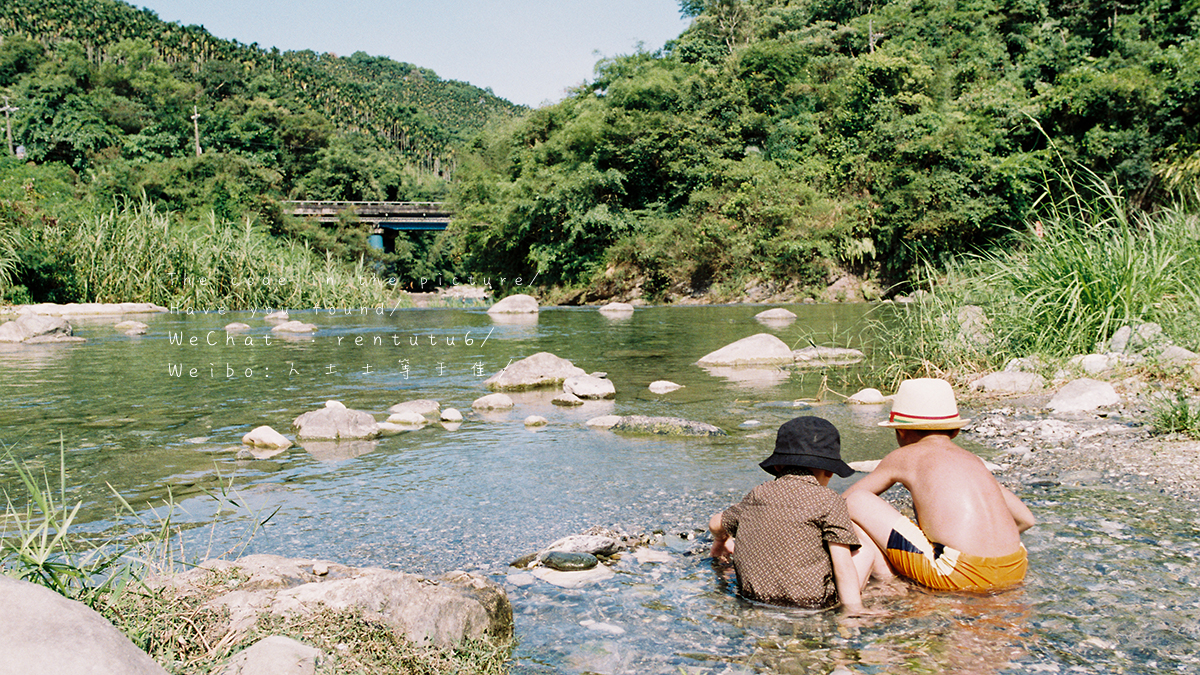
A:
(925, 403)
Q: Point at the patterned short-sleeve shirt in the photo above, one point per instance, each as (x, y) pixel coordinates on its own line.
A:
(783, 528)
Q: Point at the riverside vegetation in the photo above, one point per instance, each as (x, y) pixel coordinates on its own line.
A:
(772, 148)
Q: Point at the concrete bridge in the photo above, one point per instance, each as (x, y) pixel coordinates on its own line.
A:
(395, 216)
(388, 218)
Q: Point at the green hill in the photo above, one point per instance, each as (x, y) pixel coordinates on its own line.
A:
(410, 106)
(113, 104)
(777, 145)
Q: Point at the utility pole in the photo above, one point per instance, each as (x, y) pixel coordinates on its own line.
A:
(195, 127)
(8, 123)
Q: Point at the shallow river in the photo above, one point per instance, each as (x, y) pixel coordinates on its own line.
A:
(1113, 580)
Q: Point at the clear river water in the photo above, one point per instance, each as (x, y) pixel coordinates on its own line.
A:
(1113, 575)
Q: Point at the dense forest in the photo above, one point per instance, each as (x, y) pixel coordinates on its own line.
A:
(109, 103)
(771, 149)
(780, 144)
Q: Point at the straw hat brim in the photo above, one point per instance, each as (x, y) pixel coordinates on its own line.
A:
(943, 425)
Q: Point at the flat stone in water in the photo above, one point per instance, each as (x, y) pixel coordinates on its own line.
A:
(569, 562)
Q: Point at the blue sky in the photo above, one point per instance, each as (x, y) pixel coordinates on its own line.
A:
(528, 52)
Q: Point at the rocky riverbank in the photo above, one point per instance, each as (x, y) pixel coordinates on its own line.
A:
(1114, 446)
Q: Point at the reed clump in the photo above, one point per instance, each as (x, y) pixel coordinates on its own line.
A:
(1087, 266)
(136, 252)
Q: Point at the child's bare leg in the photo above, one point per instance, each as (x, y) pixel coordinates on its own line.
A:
(869, 560)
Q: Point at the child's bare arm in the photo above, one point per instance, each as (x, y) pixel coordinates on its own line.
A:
(1021, 513)
(722, 545)
(845, 577)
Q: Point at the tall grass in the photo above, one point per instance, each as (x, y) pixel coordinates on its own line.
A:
(1087, 266)
(37, 543)
(1095, 267)
(138, 253)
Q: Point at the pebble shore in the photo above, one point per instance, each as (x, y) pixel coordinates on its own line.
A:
(1115, 447)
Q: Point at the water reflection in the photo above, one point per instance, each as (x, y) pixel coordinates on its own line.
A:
(746, 377)
(337, 451)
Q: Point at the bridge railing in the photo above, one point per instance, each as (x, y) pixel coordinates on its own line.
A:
(389, 215)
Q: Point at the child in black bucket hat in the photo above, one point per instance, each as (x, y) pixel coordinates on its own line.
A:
(794, 537)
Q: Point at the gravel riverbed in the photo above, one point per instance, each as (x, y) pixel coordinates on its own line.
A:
(1114, 447)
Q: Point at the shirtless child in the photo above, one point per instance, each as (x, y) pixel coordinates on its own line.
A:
(969, 537)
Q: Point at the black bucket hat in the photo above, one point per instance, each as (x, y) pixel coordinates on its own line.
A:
(810, 442)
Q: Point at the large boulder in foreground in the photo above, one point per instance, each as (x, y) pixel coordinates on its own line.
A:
(335, 422)
(757, 350)
(665, 426)
(540, 370)
(43, 632)
(515, 304)
(38, 329)
(442, 611)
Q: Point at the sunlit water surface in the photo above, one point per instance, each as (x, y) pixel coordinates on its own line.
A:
(1113, 580)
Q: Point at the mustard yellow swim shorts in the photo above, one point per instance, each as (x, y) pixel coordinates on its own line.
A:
(945, 569)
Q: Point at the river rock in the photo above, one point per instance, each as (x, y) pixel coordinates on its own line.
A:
(131, 327)
(453, 415)
(281, 315)
(536, 421)
(603, 421)
(777, 315)
(93, 308)
(43, 632)
(588, 387)
(275, 655)
(617, 308)
(540, 370)
(294, 327)
(236, 327)
(1095, 364)
(756, 350)
(593, 544)
(515, 304)
(407, 418)
(441, 611)
(867, 396)
(421, 406)
(335, 421)
(663, 387)
(822, 357)
(38, 329)
(493, 402)
(1008, 382)
(1082, 395)
(1131, 340)
(567, 400)
(667, 426)
(574, 579)
(266, 437)
(1178, 356)
(565, 561)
